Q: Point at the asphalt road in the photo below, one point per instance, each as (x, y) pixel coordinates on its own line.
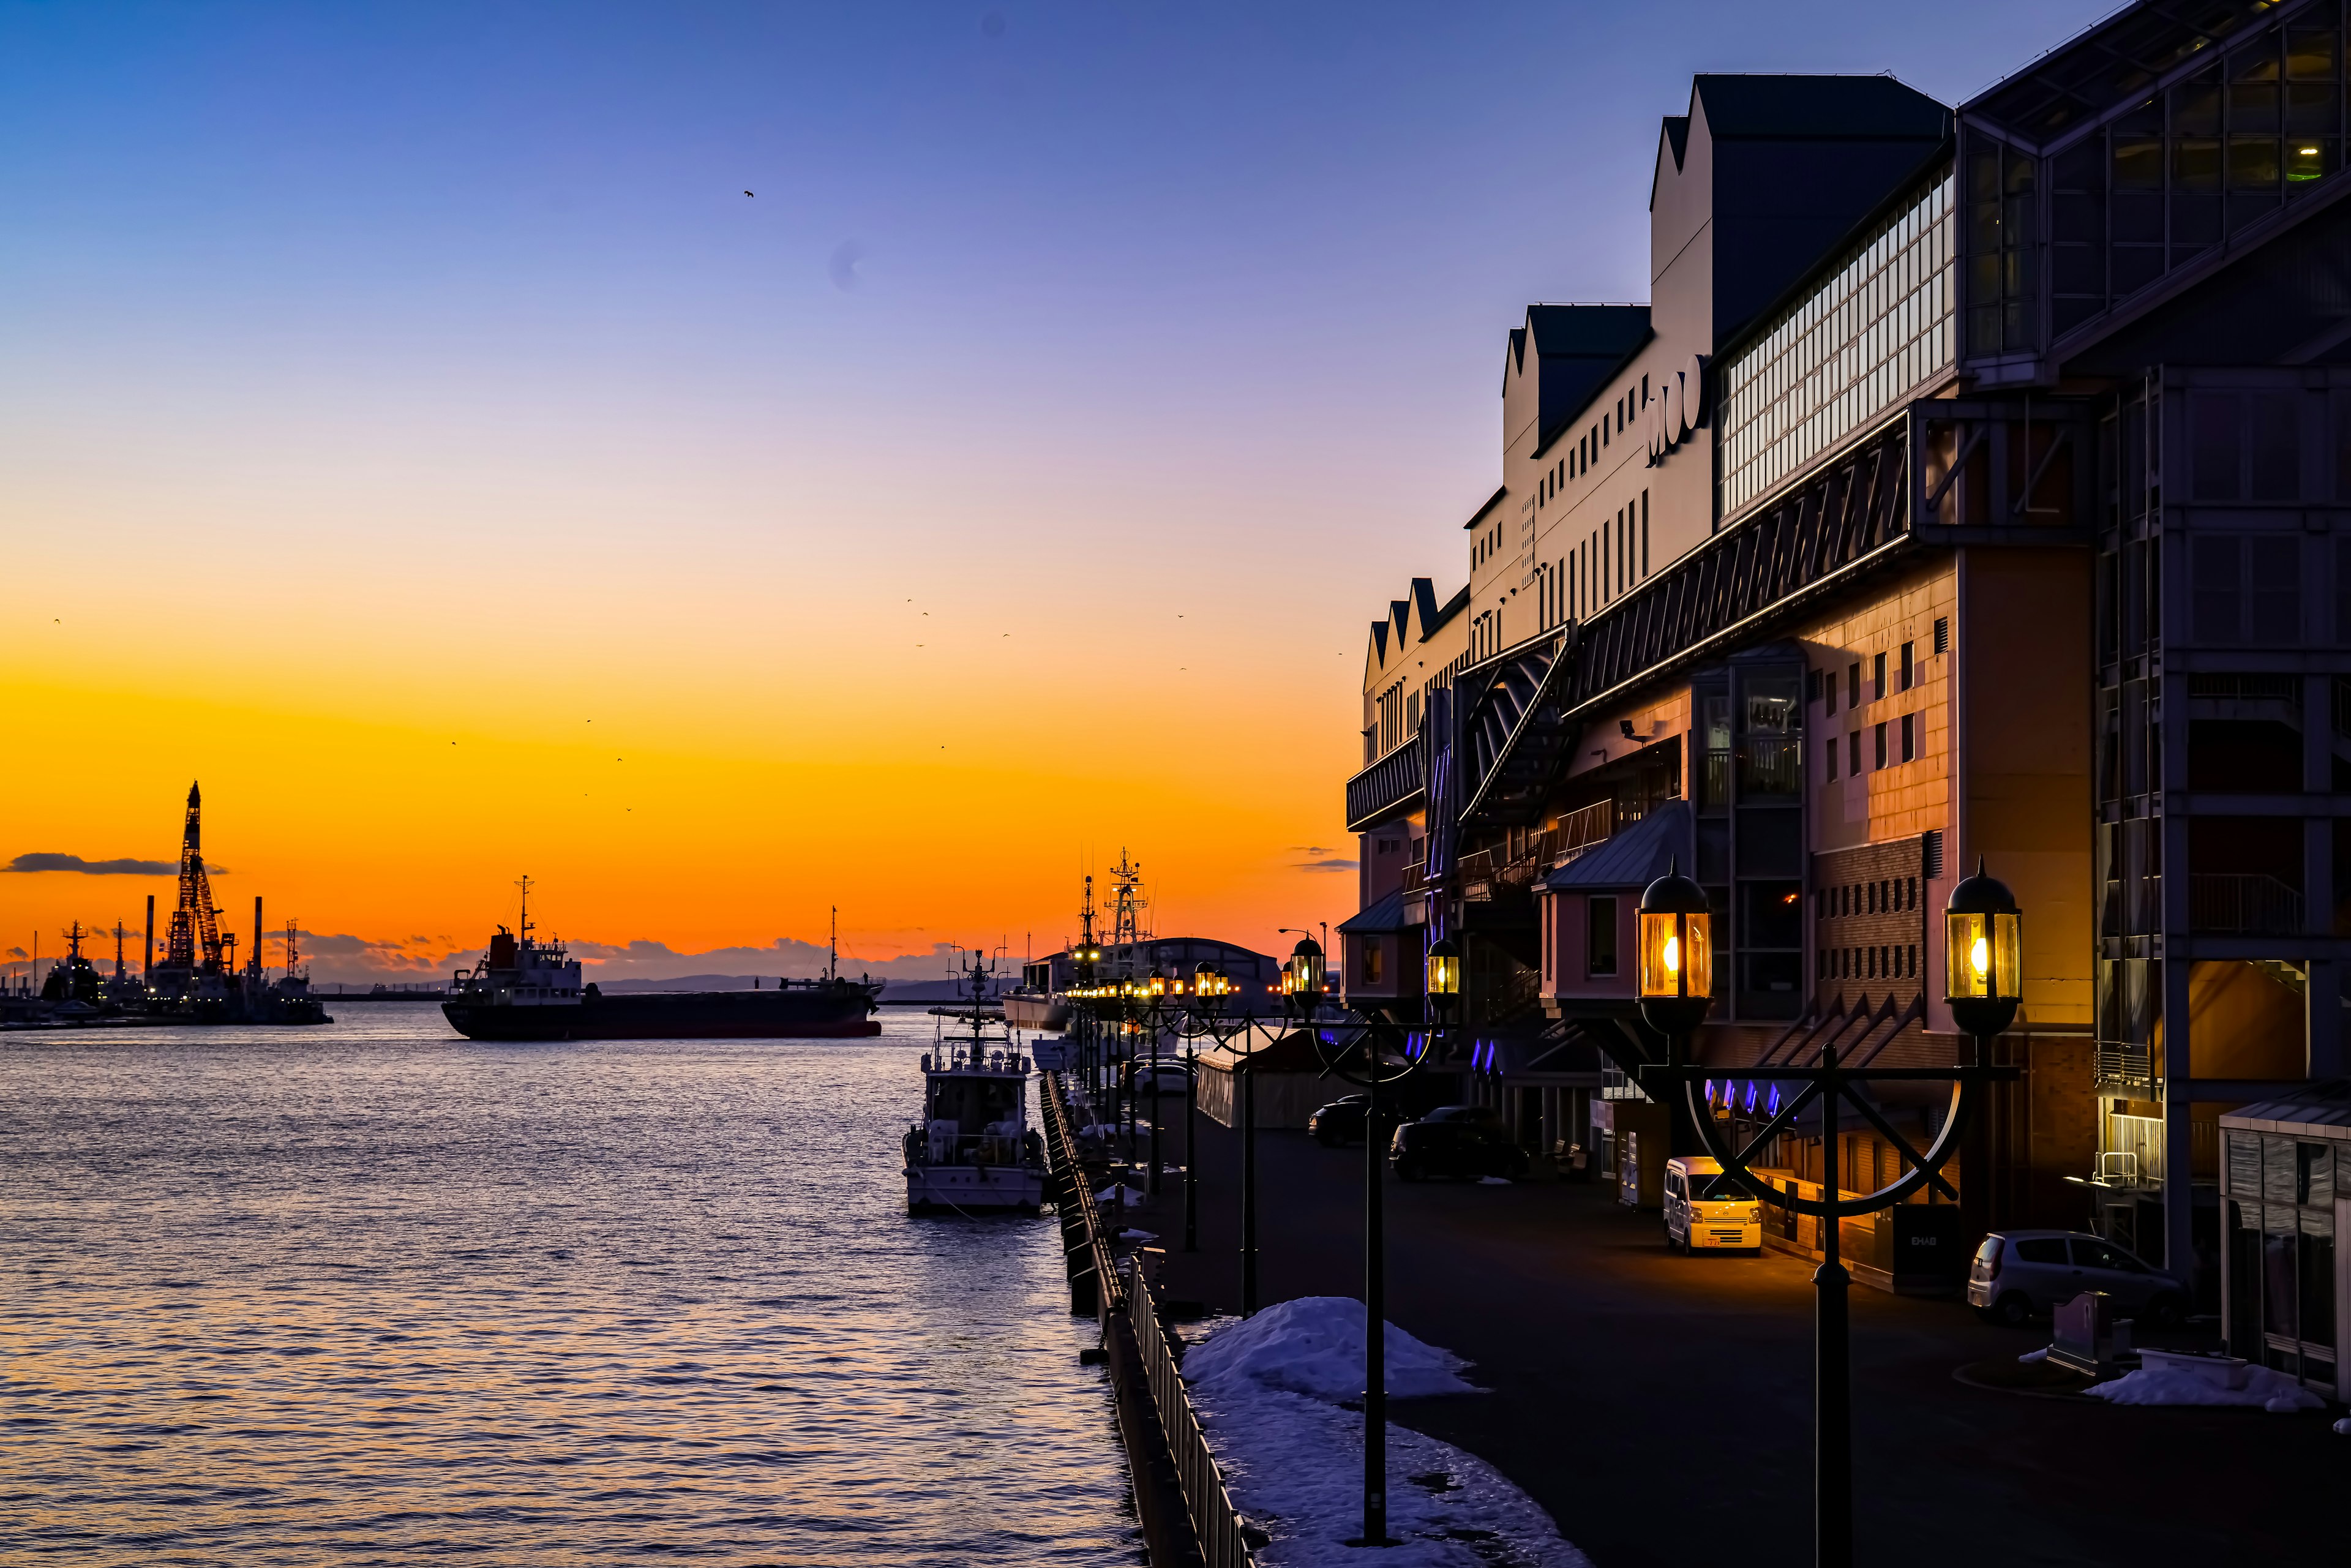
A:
(1660, 1406)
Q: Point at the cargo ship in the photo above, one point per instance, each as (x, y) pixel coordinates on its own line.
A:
(527, 989)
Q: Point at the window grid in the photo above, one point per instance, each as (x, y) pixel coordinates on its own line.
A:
(1869, 336)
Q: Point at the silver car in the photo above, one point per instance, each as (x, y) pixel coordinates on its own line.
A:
(2018, 1273)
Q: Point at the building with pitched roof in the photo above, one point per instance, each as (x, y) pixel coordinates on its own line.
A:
(1976, 485)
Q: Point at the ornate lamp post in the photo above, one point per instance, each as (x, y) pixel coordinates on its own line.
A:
(1205, 1017)
(1675, 974)
(1363, 1060)
(1163, 997)
(1086, 955)
(1983, 958)
(1676, 963)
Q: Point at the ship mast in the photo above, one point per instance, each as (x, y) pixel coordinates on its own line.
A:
(1127, 906)
(523, 928)
(832, 948)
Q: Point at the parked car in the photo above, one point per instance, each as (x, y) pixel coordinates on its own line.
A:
(1700, 1214)
(1171, 1076)
(1342, 1120)
(2017, 1273)
(1457, 1141)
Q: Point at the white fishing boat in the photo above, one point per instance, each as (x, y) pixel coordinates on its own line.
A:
(974, 1151)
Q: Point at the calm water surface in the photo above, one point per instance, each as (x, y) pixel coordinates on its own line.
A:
(370, 1292)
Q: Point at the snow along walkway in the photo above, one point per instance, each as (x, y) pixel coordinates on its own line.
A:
(1268, 1390)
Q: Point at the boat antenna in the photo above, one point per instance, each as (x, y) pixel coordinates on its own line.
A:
(524, 882)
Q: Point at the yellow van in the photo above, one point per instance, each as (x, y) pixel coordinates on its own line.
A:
(1695, 1220)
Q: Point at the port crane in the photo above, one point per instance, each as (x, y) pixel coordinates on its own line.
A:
(194, 922)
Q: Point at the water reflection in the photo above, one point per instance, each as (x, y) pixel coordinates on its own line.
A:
(364, 1290)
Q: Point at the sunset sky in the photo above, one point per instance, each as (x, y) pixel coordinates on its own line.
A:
(412, 430)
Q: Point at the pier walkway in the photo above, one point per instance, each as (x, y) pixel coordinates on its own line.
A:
(1660, 1406)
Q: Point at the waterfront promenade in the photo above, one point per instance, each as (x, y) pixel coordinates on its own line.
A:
(1660, 1406)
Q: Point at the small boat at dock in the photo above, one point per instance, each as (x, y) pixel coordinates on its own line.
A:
(974, 1151)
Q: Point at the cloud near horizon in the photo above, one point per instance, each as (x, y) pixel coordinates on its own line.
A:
(1320, 857)
(50, 860)
(339, 958)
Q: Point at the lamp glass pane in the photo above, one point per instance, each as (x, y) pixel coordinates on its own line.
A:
(1661, 955)
(1967, 957)
(1443, 975)
(1699, 963)
(2008, 956)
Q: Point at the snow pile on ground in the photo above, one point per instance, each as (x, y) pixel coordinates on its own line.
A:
(1315, 1346)
(1268, 1390)
(2273, 1391)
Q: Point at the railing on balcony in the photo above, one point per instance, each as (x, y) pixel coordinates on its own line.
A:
(1769, 768)
(2242, 904)
(1582, 830)
(1714, 778)
(2126, 1068)
(1393, 781)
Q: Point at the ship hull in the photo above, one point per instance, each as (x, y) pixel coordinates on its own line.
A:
(1038, 1015)
(974, 1189)
(674, 1015)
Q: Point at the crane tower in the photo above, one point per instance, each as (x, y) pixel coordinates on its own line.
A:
(194, 922)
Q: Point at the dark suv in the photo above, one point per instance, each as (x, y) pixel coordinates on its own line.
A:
(1455, 1141)
(1342, 1120)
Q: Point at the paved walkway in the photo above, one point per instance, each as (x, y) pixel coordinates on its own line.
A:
(1660, 1406)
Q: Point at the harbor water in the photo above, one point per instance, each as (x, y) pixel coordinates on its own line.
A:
(370, 1293)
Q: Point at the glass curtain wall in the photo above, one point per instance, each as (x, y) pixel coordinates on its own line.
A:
(2155, 184)
(1870, 336)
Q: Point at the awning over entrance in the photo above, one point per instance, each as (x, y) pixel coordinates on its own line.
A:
(1383, 917)
(1634, 858)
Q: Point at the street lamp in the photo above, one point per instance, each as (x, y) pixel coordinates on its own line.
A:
(1984, 957)
(1675, 973)
(1206, 1016)
(1443, 976)
(1306, 967)
(1676, 963)
(1160, 999)
(1375, 1068)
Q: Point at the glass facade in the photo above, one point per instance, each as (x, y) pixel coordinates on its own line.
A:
(2152, 185)
(2279, 1307)
(1867, 338)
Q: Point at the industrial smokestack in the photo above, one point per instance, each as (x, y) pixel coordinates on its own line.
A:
(148, 969)
(256, 934)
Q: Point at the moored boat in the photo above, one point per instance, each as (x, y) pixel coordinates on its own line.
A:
(974, 1151)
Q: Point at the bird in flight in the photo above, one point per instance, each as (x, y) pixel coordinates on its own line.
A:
(746, 192)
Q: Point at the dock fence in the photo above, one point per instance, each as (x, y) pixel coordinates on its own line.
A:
(1224, 1540)
(1145, 1366)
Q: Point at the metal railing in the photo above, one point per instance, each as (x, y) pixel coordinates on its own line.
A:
(2247, 903)
(1580, 830)
(1224, 1540)
(1770, 768)
(2120, 1067)
(1109, 1288)
(1714, 778)
(1386, 784)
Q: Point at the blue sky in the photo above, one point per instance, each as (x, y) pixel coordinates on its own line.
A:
(425, 364)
